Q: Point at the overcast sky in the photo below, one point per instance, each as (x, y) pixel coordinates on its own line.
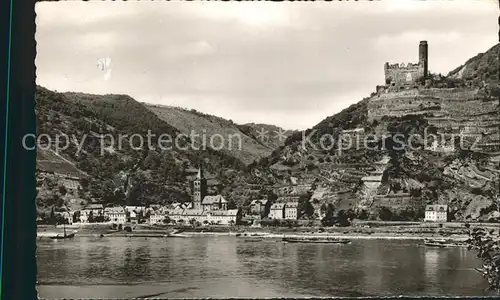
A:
(288, 64)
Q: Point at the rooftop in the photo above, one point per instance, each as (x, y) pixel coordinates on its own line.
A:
(261, 201)
(278, 206)
(94, 206)
(230, 212)
(114, 210)
(213, 199)
(436, 207)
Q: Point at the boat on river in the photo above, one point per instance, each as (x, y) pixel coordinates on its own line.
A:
(253, 240)
(175, 234)
(316, 240)
(444, 243)
(63, 236)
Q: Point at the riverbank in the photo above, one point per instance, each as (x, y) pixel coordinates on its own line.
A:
(414, 232)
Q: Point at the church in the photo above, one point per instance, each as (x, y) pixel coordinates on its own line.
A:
(200, 198)
(206, 209)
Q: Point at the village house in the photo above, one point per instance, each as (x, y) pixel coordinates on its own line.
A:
(134, 212)
(224, 217)
(68, 216)
(277, 211)
(84, 215)
(156, 218)
(436, 213)
(291, 210)
(96, 209)
(260, 207)
(197, 215)
(116, 214)
(70, 183)
(174, 214)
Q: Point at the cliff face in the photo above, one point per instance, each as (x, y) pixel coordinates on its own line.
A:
(447, 150)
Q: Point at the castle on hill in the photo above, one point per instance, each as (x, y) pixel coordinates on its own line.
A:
(401, 75)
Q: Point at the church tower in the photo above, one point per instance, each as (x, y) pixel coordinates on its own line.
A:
(199, 189)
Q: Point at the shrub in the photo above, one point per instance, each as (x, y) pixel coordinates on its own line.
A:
(487, 248)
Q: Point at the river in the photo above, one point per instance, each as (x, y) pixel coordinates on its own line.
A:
(223, 267)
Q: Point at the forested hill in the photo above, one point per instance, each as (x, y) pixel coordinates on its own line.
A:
(122, 171)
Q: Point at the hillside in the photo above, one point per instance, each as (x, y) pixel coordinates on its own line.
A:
(98, 150)
(255, 130)
(482, 67)
(240, 141)
(367, 169)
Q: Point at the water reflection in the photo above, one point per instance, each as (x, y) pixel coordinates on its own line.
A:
(231, 267)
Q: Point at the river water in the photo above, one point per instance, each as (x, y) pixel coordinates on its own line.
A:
(223, 266)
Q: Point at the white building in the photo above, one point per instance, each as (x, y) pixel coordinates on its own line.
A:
(223, 217)
(116, 214)
(277, 211)
(198, 215)
(156, 218)
(291, 210)
(84, 215)
(215, 217)
(97, 209)
(174, 214)
(436, 213)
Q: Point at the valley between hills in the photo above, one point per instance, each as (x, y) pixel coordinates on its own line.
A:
(376, 176)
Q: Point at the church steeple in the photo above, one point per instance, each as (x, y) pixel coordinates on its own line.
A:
(199, 189)
(200, 174)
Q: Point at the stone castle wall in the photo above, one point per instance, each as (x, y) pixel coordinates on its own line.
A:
(401, 74)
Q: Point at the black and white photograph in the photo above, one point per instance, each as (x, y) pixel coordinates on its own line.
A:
(209, 149)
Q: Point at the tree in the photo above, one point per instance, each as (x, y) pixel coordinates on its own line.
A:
(192, 221)
(231, 204)
(90, 217)
(62, 190)
(140, 217)
(52, 217)
(363, 215)
(329, 218)
(76, 216)
(487, 248)
(99, 219)
(304, 207)
(385, 214)
(166, 220)
(343, 218)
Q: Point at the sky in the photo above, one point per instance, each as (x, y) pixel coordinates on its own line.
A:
(287, 64)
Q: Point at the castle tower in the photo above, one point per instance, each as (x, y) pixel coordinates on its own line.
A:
(199, 189)
(423, 56)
